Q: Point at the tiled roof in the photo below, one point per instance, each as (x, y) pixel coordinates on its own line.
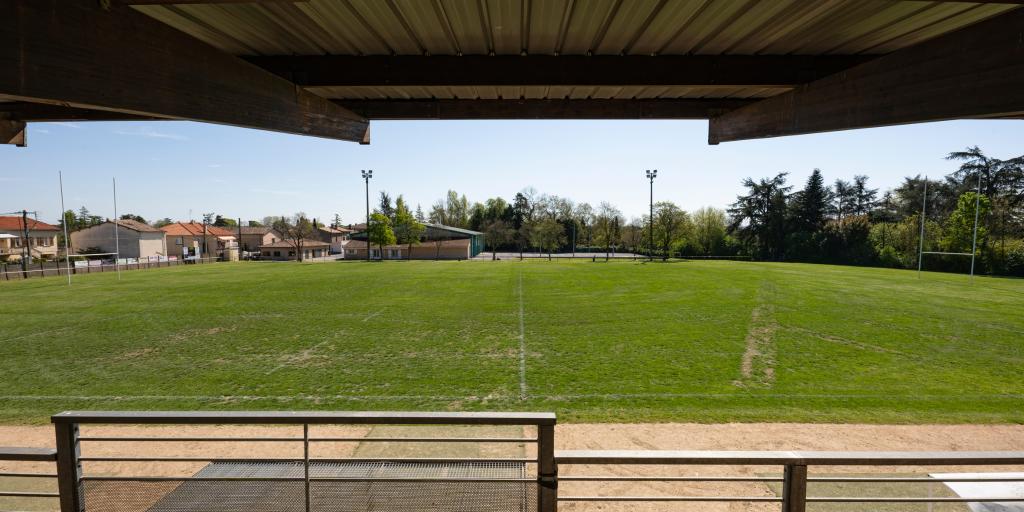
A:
(135, 225)
(255, 230)
(287, 244)
(194, 229)
(15, 224)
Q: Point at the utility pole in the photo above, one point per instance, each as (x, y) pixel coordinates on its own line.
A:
(239, 244)
(651, 174)
(26, 251)
(367, 174)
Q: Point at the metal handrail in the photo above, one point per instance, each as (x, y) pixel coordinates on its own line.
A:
(23, 454)
(782, 458)
(299, 418)
(794, 496)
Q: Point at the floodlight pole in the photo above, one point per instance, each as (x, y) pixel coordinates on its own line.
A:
(977, 210)
(64, 222)
(920, 243)
(651, 174)
(367, 174)
(117, 239)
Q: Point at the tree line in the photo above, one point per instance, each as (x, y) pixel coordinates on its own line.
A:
(851, 223)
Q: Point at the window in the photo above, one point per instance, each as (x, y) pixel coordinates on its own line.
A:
(291, 253)
(277, 253)
(178, 241)
(394, 253)
(375, 253)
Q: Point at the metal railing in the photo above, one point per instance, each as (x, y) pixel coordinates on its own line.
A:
(794, 481)
(308, 470)
(28, 455)
(304, 483)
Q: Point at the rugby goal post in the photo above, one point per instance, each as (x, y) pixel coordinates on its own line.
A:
(974, 238)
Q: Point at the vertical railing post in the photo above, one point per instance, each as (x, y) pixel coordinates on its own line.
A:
(547, 471)
(794, 488)
(305, 459)
(69, 467)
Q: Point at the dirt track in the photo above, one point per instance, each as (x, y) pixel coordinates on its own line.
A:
(568, 436)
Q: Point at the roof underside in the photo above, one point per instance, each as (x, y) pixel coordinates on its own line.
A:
(567, 27)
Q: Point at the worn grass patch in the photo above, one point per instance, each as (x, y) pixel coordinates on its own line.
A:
(622, 341)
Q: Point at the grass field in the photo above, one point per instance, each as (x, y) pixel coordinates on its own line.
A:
(621, 341)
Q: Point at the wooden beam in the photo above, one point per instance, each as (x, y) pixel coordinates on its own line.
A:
(194, 2)
(13, 132)
(545, 70)
(975, 72)
(74, 53)
(542, 109)
(41, 112)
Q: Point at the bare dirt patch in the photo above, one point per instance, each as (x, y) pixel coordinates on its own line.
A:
(757, 368)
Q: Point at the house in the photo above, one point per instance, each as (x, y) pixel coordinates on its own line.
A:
(285, 250)
(134, 239)
(437, 243)
(252, 238)
(41, 241)
(334, 236)
(192, 239)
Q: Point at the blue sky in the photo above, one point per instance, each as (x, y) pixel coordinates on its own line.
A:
(166, 169)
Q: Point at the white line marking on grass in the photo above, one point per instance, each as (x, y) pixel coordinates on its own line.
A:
(522, 342)
(613, 396)
(373, 315)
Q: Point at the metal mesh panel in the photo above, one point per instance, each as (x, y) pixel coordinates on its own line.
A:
(325, 495)
(444, 496)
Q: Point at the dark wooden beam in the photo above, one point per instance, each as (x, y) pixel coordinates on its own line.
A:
(542, 109)
(544, 70)
(41, 112)
(975, 72)
(12, 132)
(193, 2)
(74, 53)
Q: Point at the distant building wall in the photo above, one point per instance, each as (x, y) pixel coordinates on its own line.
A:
(447, 250)
(133, 244)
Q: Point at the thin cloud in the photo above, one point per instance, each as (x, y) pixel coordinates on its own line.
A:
(40, 130)
(153, 134)
(66, 124)
(213, 166)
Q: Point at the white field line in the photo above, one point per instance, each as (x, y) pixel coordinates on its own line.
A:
(374, 314)
(612, 396)
(522, 342)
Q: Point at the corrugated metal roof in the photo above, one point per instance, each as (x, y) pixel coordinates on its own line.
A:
(568, 27)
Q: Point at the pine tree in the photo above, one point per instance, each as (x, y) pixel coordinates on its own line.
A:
(811, 204)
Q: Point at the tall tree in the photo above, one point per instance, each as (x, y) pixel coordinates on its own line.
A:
(384, 206)
(810, 206)
(380, 232)
(408, 230)
(497, 233)
(547, 234)
(709, 230)
(669, 226)
(844, 198)
(759, 216)
(297, 230)
(863, 197)
(605, 221)
(336, 221)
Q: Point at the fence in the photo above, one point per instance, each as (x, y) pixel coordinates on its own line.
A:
(13, 271)
(536, 481)
(23, 485)
(308, 483)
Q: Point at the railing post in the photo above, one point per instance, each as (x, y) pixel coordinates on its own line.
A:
(69, 468)
(547, 471)
(794, 488)
(305, 459)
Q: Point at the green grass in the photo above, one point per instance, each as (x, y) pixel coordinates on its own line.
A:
(619, 341)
